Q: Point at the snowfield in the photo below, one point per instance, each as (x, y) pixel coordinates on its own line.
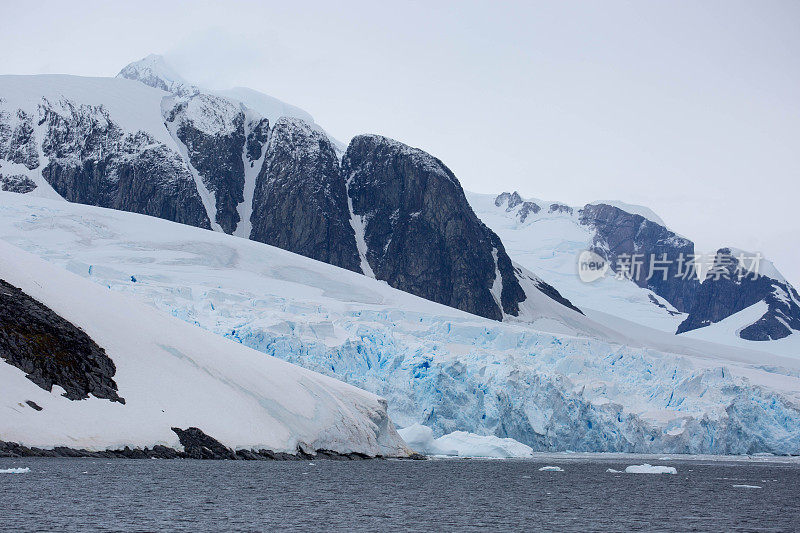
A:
(172, 374)
(584, 386)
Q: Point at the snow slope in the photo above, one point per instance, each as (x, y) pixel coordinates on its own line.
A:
(173, 374)
(590, 387)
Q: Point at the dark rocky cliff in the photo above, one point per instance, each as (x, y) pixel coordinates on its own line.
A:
(212, 129)
(422, 235)
(300, 201)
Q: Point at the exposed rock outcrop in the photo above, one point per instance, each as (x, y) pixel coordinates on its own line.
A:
(16, 183)
(17, 139)
(422, 235)
(212, 130)
(51, 350)
(91, 160)
(196, 444)
(300, 201)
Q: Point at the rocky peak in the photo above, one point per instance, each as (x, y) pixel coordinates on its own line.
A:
(512, 200)
(212, 130)
(421, 234)
(560, 208)
(154, 71)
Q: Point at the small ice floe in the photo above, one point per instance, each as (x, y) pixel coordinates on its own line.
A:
(15, 470)
(551, 469)
(612, 471)
(746, 487)
(650, 469)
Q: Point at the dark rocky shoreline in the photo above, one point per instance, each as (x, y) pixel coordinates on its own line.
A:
(196, 444)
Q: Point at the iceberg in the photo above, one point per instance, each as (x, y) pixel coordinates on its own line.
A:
(650, 469)
(462, 444)
(24, 470)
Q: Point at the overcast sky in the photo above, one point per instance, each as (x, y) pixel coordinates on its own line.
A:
(691, 108)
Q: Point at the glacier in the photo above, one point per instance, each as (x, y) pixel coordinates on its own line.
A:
(572, 387)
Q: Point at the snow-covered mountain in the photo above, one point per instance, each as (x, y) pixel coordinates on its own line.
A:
(564, 382)
(89, 368)
(663, 291)
(562, 364)
(150, 142)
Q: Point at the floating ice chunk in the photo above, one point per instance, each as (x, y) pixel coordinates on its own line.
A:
(472, 445)
(612, 471)
(746, 487)
(462, 444)
(551, 469)
(420, 439)
(15, 470)
(650, 469)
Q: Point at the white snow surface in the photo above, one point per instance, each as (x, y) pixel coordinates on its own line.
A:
(588, 387)
(267, 106)
(213, 115)
(251, 171)
(462, 444)
(173, 374)
(650, 469)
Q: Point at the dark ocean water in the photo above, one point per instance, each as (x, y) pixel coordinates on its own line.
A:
(451, 495)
